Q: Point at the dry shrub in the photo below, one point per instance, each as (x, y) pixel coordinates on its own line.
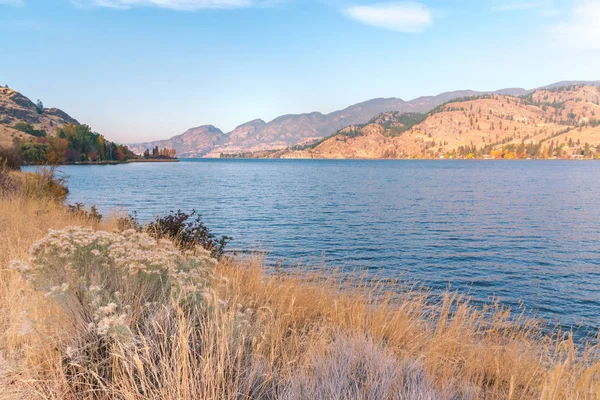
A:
(11, 157)
(111, 283)
(358, 367)
(46, 184)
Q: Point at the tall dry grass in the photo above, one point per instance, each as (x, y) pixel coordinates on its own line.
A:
(290, 335)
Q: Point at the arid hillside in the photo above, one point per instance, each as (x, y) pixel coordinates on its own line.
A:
(15, 108)
(558, 122)
(8, 135)
(193, 143)
(296, 129)
(38, 135)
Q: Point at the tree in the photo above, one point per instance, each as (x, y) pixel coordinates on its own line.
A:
(40, 106)
(35, 153)
(101, 148)
(58, 150)
(119, 154)
(93, 155)
(587, 152)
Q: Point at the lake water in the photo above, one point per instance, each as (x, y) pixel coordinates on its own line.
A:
(522, 231)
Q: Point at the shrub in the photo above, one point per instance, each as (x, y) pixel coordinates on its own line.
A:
(79, 210)
(188, 232)
(98, 269)
(8, 184)
(113, 285)
(356, 367)
(28, 128)
(44, 184)
(11, 157)
(35, 153)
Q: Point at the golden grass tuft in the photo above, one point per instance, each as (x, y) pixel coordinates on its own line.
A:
(273, 334)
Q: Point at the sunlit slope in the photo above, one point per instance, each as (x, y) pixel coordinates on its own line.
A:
(566, 116)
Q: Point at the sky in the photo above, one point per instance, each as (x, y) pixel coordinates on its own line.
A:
(138, 70)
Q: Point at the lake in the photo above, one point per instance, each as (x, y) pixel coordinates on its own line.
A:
(522, 231)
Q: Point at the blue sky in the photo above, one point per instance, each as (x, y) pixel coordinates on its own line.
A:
(148, 69)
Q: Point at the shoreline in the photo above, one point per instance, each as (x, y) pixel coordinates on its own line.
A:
(122, 162)
(392, 159)
(108, 162)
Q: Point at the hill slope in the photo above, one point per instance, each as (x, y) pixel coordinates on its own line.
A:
(533, 125)
(14, 108)
(50, 135)
(193, 143)
(296, 129)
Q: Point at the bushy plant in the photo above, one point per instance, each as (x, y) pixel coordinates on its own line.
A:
(35, 153)
(8, 184)
(131, 221)
(188, 231)
(46, 183)
(115, 284)
(359, 368)
(110, 274)
(11, 156)
(29, 129)
(80, 210)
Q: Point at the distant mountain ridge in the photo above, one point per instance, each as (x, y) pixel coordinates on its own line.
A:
(559, 122)
(298, 129)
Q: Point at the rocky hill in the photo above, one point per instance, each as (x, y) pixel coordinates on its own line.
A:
(536, 124)
(51, 136)
(193, 143)
(14, 108)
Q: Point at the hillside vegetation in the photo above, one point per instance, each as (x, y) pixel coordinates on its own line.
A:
(550, 123)
(42, 135)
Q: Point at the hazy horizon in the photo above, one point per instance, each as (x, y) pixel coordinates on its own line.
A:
(140, 70)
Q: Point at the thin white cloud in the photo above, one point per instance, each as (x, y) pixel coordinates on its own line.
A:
(17, 3)
(400, 17)
(582, 28)
(178, 5)
(517, 6)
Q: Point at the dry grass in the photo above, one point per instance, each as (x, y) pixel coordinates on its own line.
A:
(292, 335)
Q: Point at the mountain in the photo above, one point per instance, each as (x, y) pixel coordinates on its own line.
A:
(51, 136)
(297, 129)
(535, 124)
(193, 143)
(16, 108)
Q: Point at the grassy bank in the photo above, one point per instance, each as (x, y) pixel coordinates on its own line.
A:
(101, 312)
